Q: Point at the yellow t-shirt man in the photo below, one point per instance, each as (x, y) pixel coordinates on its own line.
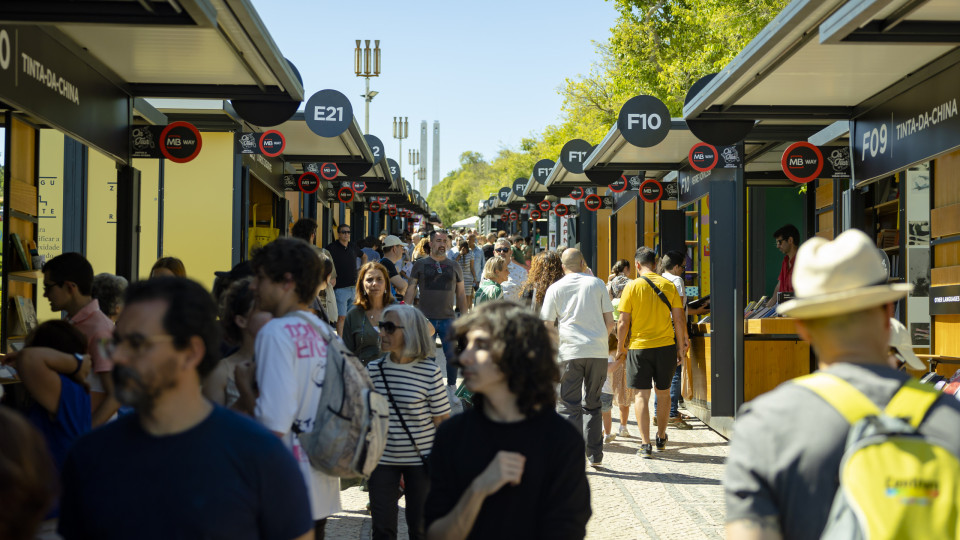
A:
(651, 323)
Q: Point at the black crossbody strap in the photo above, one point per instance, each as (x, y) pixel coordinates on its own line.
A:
(403, 423)
(663, 297)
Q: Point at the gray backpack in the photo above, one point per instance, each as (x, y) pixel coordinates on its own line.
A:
(349, 433)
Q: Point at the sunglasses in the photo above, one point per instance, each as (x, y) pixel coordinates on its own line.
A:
(388, 326)
(502, 250)
(439, 268)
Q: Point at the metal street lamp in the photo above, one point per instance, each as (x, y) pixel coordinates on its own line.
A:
(361, 64)
(401, 130)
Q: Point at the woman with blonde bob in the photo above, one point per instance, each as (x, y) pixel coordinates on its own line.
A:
(415, 388)
(360, 333)
(495, 272)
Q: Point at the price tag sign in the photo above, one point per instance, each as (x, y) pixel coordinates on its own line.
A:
(328, 113)
(180, 142)
(309, 182)
(345, 194)
(376, 146)
(577, 193)
(272, 143)
(573, 154)
(561, 210)
(542, 170)
(619, 185)
(802, 162)
(703, 157)
(651, 190)
(644, 121)
(329, 171)
(593, 202)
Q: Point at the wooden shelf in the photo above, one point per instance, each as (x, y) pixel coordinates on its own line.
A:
(26, 217)
(692, 242)
(691, 213)
(890, 249)
(887, 206)
(26, 276)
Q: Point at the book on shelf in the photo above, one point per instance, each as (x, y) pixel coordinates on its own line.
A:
(888, 238)
(15, 326)
(26, 314)
(21, 250)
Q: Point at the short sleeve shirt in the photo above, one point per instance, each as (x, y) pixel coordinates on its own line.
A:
(651, 323)
(437, 281)
(345, 262)
(95, 326)
(578, 302)
(786, 274)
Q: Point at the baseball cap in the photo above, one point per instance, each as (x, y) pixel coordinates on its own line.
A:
(391, 241)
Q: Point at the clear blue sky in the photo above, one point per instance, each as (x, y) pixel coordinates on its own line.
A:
(488, 71)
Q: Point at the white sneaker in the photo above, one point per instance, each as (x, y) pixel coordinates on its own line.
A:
(609, 438)
(624, 432)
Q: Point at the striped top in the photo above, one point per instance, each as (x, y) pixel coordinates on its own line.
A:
(418, 388)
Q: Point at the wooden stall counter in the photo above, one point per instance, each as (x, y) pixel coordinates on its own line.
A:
(772, 353)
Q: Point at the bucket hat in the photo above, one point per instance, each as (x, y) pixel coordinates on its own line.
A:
(391, 241)
(844, 275)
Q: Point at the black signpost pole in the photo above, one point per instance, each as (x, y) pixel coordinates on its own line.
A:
(727, 288)
(128, 222)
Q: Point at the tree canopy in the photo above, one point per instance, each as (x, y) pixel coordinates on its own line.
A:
(656, 47)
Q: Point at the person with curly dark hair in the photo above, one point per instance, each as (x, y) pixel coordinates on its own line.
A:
(512, 436)
(545, 270)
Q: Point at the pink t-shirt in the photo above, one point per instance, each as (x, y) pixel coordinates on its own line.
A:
(96, 326)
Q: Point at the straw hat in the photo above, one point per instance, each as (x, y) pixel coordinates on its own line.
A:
(840, 276)
(900, 340)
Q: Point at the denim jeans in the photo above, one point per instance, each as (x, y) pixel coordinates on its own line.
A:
(576, 376)
(443, 330)
(674, 394)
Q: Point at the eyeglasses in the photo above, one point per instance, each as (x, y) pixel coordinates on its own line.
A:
(439, 268)
(50, 285)
(137, 344)
(347, 231)
(388, 326)
(502, 250)
(780, 241)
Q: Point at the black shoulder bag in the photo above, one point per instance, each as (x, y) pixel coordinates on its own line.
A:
(660, 295)
(403, 423)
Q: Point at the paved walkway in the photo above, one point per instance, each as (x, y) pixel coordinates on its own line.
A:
(676, 495)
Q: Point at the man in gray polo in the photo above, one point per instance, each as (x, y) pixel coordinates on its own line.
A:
(580, 305)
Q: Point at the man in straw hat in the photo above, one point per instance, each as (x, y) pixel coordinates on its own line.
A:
(785, 454)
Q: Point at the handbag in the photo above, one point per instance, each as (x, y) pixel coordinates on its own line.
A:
(403, 423)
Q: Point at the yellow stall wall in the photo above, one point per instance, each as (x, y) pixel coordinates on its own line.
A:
(49, 208)
(198, 210)
(149, 215)
(101, 212)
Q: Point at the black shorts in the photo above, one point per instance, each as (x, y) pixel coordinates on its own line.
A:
(657, 365)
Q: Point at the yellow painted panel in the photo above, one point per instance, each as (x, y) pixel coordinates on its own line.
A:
(705, 246)
(101, 212)
(149, 212)
(198, 210)
(50, 208)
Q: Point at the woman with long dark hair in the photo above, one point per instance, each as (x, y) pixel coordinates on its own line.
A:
(545, 270)
(360, 332)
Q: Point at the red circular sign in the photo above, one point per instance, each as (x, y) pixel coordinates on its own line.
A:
(309, 182)
(561, 209)
(375, 206)
(329, 171)
(619, 185)
(382, 200)
(544, 206)
(577, 193)
(345, 194)
(525, 207)
(802, 162)
(593, 202)
(505, 216)
(534, 215)
(359, 187)
(392, 210)
(703, 156)
(272, 143)
(180, 142)
(651, 191)
(514, 216)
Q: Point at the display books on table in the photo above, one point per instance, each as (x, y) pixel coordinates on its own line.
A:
(26, 319)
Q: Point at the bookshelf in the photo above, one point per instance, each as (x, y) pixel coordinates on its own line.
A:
(882, 220)
(18, 276)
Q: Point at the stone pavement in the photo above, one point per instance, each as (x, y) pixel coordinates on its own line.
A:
(675, 495)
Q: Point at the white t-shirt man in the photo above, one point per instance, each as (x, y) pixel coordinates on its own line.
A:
(291, 363)
(578, 302)
(677, 282)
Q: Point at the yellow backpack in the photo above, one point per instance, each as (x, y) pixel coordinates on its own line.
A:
(894, 482)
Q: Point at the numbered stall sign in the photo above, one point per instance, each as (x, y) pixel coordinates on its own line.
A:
(180, 142)
(394, 168)
(519, 186)
(802, 162)
(651, 190)
(542, 170)
(272, 143)
(703, 157)
(561, 210)
(309, 182)
(619, 185)
(644, 121)
(329, 171)
(503, 194)
(328, 113)
(376, 146)
(574, 154)
(345, 194)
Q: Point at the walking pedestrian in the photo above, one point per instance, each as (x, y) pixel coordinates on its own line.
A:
(672, 266)
(651, 327)
(393, 253)
(465, 259)
(360, 331)
(579, 307)
(623, 396)
(345, 254)
(783, 469)
(495, 272)
(211, 473)
(306, 230)
(290, 356)
(518, 274)
(545, 270)
(440, 283)
(510, 467)
(414, 385)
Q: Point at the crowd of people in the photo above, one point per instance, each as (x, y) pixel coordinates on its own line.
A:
(158, 409)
